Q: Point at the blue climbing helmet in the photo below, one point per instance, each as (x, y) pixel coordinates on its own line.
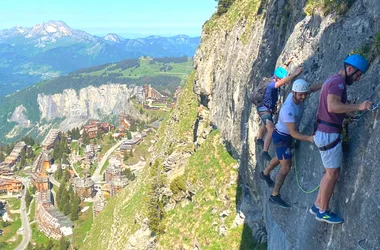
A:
(358, 62)
(280, 72)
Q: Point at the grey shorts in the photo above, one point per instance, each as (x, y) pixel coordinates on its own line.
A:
(331, 158)
(266, 116)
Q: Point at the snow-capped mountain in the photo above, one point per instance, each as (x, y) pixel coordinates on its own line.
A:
(112, 37)
(50, 49)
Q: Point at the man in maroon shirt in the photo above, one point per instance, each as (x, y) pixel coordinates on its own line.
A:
(331, 112)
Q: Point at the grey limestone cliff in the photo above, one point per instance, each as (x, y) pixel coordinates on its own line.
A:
(231, 58)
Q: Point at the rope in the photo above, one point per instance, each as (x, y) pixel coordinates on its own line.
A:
(298, 182)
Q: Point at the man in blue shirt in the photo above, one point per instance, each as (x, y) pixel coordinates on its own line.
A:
(269, 106)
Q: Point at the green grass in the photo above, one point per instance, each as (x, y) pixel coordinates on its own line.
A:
(32, 210)
(213, 165)
(180, 70)
(10, 232)
(124, 207)
(105, 166)
(141, 150)
(328, 6)
(82, 226)
(239, 10)
(370, 50)
(14, 203)
(39, 237)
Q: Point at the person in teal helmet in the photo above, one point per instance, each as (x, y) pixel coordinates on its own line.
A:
(330, 115)
(269, 106)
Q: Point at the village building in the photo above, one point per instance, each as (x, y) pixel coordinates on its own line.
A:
(117, 184)
(153, 94)
(15, 155)
(41, 181)
(47, 160)
(92, 129)
(10, 186)
(106, 190)
(5, 170)
(53, 136)
(49, 220)
(125, 147)
(106, 127)
(132, 142)
(114, 169)
(84, 187)
(125, 124)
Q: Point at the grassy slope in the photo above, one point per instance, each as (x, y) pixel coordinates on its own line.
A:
(180, 70)
(121, 210)
(209, 171)
(201, 219)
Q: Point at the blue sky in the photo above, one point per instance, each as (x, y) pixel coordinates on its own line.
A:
(128, 18)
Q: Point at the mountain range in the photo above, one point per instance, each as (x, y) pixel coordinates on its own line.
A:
(31, 54)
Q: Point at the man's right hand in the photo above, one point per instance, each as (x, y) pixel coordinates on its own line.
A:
(311, 139)
(365, 105)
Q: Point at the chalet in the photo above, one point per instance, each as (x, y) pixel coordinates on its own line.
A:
(10, 186)
(91, 129)
(106, 127)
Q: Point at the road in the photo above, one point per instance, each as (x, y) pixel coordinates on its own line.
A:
(25, 223)
(96, 177)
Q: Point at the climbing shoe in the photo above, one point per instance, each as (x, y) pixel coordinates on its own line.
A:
(267, 179)
(266, 156)
(278, 201)
(260, 142)
(314, 210)
(328, 217)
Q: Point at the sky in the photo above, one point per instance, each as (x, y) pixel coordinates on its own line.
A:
(127, 18)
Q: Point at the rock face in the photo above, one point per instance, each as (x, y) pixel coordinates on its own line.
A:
(230, 60)
(19, 116)
(89, 103)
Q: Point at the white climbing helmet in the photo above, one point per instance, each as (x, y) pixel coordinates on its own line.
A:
(300, 85)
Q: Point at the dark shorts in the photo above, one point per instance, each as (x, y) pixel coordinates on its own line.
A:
(266, 116)
(283, 144)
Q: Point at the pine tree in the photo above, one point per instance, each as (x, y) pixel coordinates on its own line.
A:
(86, 138)
(23, 157)
(66, 208)
(28, 198)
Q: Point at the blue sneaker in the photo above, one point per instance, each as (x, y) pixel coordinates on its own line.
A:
(328, 217)
(314, 210)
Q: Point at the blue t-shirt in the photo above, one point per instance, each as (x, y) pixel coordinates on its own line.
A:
(270, 97)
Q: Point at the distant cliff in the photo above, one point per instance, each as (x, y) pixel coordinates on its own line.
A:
(71, 109)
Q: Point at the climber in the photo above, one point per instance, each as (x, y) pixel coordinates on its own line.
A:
(269, 106)
(331, 112)
(286, 129)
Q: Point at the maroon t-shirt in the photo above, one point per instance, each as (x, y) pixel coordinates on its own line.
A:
(334, 85)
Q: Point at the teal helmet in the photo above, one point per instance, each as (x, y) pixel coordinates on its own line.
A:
(280, 72)
(358, 62)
